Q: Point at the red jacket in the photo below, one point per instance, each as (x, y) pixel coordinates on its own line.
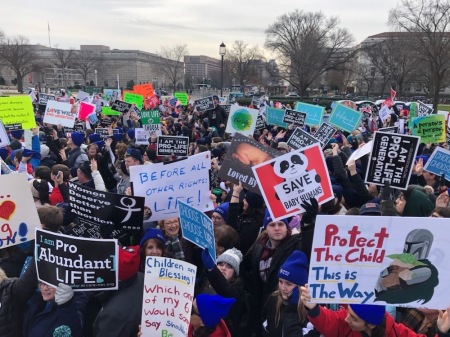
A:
(221, 330)
(55, 196)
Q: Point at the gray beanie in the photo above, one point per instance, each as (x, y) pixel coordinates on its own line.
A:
(233, 257)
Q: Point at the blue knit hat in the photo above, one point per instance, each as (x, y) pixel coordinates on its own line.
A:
(370, 313)
(131, 133)
(268, 219)
(94, 137)
(152, 233)
(223, 210)
(3, 153)
(295, 268)
(17, 134)
(77, 138)
(212, 308)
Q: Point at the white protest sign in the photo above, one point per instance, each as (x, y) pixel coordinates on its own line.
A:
(163, 185)
(361, 151)
(82, 96)
(242, 119)
(59, 113)
(141, 136)
(4, 139)
(168, 295)
(384, 112)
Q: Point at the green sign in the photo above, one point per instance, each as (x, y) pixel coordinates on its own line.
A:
(107, 111)
(130, 97)
(150, 117)
(182, 97)
(431, 129)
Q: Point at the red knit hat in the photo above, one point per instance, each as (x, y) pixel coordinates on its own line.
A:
(128, 262)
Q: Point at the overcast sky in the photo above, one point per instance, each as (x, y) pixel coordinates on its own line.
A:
(150, 24)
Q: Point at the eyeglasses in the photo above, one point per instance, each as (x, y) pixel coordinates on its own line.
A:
(174, 222)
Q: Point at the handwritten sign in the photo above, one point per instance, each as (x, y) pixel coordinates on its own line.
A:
(242, 119)
(172, 145)
(133, 98)
(60, 113)
(16, 112)
(275, 117)
(168, 295)
(300, 138)
(439, 163)
(324, 133)
(431, 129)
(314, 113)
(345, 118)
(145, 90)
(182, 97)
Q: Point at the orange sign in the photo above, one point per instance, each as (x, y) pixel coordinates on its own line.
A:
(145, 90)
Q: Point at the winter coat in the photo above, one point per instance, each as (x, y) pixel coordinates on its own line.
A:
(220, 330)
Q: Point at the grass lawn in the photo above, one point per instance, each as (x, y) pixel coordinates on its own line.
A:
(444, 107)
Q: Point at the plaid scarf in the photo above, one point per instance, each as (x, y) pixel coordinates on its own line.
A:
(174, 248)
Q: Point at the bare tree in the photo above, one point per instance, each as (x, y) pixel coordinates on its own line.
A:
(17, 54)
(428, 21)
(172, 63)
(242, 61)
(86, 63)
(63, 60)
(307, 45)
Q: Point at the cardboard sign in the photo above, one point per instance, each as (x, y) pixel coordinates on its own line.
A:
(18, 215)
(260, 124)
(168, 294)
(204, 104)
(4, 139)
(293, 178)
(300, 139)
(198, 228)
(242, 119)
(314, 113)
(431, 129)
(397, 261)
(150, 117)
(345, 118)
(16, 112)
(105, 208)
(145, 90)
(108, 111)
(134, 98)
(44, 98)
(294, 117)
(121, 106)
(439, 163)
(85, 109)
(392, 159)
(183, 97)
(172, 145)
(84, 264)
(275, 117)
(60, 113)
(165, 184)
(242, 154)
(324, 133)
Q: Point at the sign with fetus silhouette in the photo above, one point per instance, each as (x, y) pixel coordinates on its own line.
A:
(380, 260)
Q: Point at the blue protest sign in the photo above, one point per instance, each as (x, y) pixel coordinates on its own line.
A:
(275, 117)
(314, 113)
(345, 118)
(197, 228)
(439, 163)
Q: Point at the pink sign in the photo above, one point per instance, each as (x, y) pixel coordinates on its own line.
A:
(85, 110)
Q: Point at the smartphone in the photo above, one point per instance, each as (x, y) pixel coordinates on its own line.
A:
(59, 175)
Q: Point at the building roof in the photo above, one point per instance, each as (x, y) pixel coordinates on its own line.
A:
(385, 35)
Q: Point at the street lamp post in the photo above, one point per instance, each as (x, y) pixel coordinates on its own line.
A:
(222, 52)
(95, 72)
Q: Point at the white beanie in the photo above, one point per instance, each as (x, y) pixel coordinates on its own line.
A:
(233, 257)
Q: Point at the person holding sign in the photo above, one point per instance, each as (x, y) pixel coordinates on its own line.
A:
(362, 320)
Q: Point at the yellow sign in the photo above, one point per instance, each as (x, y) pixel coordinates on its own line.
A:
(16, 112)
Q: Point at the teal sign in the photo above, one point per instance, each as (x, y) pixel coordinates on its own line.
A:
(275, 117)
(345, 118)
(314, 113)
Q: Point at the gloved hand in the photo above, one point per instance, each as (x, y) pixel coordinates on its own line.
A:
(64, 293)
(386, 192)
(207, 259)
(311, 210)
(295, 296)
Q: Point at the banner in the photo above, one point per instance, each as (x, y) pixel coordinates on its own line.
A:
(44, 98)
(172, 145)
(324, 133)
(182, 97)
(275, 117)
(345, 118)
(392, 159)
(294, 117)
(95, 207)
(204, 104)
(17, 112)
(293, 178)
(431, 129)
(439, 163)
(60, 113)
(314, 113)
(398, 261)
(300, 138)
(133, 98)
(84, 264)
(242, 119)
(168, 294)
(18, 215)
(165, 184)
(242, 154)
(121, 106)
(198, 228)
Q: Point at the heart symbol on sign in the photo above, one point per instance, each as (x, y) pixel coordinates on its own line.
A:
(100, 280)
(7, 208)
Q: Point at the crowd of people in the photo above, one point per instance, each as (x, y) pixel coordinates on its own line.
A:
(258, 284)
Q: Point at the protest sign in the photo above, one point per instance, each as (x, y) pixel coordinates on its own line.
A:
(92, 231)
(384, 113)
(172, 145)
(300, 138)
(121, 106)
(165, 184)
(103, 132)
(84, 264)
(431, 129)
(111, 94)
(324, 133)
(361, 152)
(4, 139)
(227, 108)
(183, 97)
(314, 113)
(141, 136)
(242, 154)
(108, 111)
(18, 215)
(168, 294)
(392, 159)
(198, 228)
(439, 163)
(287, 181)
(133, 98)
(275, 117)
(242, 119)
(85, 109)
(204, 104)
(146, 90)
(418, 109)
(345, 118)
(16, 112)
(95, 207)
(260, 124)
(380, 260)
(153, 129)
(82, 96)
(294, 117)
(390, 129)
(150, 117)
(44, 98)
(60, 113)
(256, 101)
